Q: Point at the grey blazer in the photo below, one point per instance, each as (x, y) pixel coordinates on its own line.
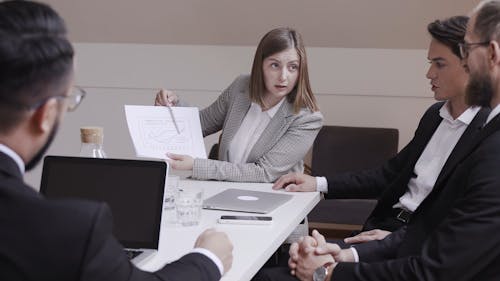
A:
(279, 150)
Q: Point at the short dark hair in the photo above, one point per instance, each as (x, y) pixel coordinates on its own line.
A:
(449, 32)
(487, 25)
(35, 58)
(275, 41)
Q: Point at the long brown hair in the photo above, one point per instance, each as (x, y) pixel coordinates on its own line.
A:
(275, 41)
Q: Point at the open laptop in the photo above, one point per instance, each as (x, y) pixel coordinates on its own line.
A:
(133, 189)
(250, 201)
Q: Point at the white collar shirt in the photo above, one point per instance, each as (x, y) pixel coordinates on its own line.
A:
(434, 156)
(12, 154)
(249, 132)
(493, 113)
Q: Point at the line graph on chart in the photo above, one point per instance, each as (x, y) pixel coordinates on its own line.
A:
(154, 134)
(161, 135)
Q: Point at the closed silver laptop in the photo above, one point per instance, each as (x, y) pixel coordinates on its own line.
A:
(250, 201)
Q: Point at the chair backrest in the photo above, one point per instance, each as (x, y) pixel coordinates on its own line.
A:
(214, 152)
(343, 149)
(340, 149)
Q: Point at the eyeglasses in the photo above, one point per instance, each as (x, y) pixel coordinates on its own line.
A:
(74, 99)
(465, 47)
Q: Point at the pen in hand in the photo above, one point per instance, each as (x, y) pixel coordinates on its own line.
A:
(173, 119)
(168, 99)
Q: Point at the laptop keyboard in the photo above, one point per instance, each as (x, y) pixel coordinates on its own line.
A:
(132, 253)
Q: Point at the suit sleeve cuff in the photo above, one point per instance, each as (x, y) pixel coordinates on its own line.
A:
(321, 184)
(211, 256)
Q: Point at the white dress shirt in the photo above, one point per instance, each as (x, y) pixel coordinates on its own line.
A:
(432, 160)
(12, 154)
(211, 256)
(434, 156)
(249, 132)
(493, 113)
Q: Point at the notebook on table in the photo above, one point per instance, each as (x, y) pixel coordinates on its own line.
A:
(249, 201)
(133, 189)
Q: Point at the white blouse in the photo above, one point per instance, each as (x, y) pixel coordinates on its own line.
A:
(250, 130)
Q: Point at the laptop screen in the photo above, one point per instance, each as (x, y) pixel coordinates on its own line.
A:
(133, 189)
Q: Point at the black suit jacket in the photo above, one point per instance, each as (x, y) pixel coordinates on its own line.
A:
(454, 233)
(390, 181)
(70, 240)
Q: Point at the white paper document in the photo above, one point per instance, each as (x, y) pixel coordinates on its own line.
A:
(154, 134)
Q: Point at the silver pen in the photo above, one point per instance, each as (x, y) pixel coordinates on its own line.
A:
(173, 119)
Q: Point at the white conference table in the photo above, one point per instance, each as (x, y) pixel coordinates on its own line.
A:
(253, 244)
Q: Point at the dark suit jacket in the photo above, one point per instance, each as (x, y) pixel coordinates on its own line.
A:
(390, 181)
(453, 235)
(70, 240)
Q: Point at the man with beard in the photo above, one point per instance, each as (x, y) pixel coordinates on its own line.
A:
(441, 241)
(64, 239)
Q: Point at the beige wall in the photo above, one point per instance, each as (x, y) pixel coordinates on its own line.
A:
(393, 24)
(355, 87)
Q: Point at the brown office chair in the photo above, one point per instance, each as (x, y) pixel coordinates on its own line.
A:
(342, 149)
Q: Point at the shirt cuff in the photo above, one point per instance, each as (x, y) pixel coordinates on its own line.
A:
(212, 257)
(321, 185)
(355, 254)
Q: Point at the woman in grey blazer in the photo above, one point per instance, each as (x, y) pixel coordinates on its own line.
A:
(269, 119)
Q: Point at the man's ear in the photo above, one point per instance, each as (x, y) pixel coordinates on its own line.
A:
(494, 53)
(45, 116)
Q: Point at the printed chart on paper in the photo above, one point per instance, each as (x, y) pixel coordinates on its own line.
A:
(153, 131)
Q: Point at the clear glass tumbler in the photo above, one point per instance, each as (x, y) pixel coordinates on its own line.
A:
(188, 206)
(171, 192)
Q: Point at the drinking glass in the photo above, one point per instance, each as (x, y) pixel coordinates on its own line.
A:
(188, 206)
(171, 191)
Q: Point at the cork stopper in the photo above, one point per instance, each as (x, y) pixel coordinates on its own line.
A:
(92, 134)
